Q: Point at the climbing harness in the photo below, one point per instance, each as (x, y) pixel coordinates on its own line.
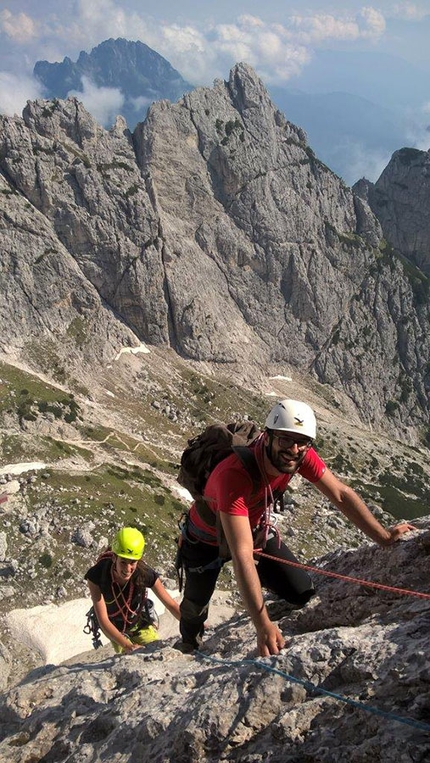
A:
(184, 523)
(148, 617)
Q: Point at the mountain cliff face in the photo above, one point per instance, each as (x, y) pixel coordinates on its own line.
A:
(139, 72)
(215, 230)
(347, 131)
(399, 198)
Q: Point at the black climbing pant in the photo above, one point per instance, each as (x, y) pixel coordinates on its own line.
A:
(289, 583)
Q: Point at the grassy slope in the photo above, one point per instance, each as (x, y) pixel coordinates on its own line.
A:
(112, 456)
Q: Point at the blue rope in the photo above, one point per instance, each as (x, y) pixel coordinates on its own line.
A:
(318, 690)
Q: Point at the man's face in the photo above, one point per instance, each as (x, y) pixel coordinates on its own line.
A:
(287, 451)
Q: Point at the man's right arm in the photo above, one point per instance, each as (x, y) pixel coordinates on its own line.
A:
(239, 538)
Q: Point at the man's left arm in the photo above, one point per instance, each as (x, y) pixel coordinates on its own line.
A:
(350, 504)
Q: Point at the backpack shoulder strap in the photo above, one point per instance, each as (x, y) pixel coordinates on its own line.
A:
(247, 458)
(249, 462)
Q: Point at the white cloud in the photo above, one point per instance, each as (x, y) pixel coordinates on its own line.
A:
(364, 162)
(15, 91)
(312, 30)
(104, 103)
(140, 102)
(270, 48)
(188, 50)
(20, 28)
(278, 51)
(410, 11)
(418, 128)
(374, 25)
(182, 39)
(100, 19)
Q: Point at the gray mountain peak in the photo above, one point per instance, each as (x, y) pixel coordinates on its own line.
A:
(140, 73)
(215, 230)
(399, 198)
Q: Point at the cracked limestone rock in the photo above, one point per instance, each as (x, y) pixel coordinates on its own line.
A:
(351, 642)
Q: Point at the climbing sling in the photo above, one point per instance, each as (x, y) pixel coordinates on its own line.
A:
(92, 627)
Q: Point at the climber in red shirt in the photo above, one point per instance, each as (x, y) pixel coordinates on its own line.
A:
(243, 517)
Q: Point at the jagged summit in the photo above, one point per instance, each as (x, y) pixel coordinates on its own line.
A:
(399, 198)
(139, 72)
(215, 230)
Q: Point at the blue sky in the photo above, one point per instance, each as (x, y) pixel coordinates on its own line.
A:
(282, 40)
(204, 39)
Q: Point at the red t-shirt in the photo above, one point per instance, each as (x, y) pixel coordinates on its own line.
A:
(230, 489)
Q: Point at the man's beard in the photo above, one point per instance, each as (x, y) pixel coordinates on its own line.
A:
(288, 466)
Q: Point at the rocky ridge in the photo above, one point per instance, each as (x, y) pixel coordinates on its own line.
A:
(351, 642)
(213, 230)
(138, 72)
(399, 199)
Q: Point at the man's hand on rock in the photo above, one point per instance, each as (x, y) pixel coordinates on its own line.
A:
(269, 640)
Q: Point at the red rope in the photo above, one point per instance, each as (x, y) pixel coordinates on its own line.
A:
(404, 591)
(124, 610)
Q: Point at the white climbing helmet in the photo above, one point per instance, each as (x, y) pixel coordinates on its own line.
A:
(293, 416)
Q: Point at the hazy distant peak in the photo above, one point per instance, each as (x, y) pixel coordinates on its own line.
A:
(131, 67)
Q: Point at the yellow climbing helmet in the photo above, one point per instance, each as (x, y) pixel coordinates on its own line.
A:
(129, 543)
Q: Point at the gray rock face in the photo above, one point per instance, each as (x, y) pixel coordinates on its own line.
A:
(399, 198)
(364, 650)
(215, 230)
(46, 295)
